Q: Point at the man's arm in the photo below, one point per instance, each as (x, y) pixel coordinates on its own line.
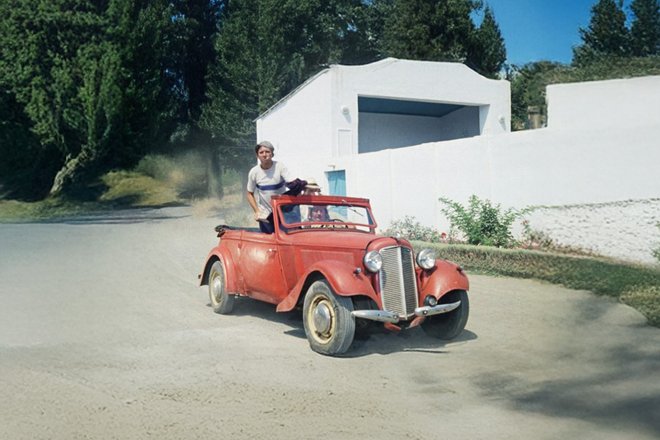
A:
(253, 203)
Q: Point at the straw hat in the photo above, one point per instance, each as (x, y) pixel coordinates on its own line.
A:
(311, 184)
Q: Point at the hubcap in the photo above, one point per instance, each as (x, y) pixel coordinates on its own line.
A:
(217, 289)
(322, 318)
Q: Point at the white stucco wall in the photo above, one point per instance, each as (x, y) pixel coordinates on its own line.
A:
(321, 117)
(303, 127)
(610, 104)
(598, 181)
(626, 229)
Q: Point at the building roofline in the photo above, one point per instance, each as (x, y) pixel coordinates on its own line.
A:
(293, 92)
(312, 78)
(375, 65)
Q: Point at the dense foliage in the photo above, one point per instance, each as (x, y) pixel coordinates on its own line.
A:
(442, 31)
(610, 49)
(87, 86)
(90, 79)
(608, 36)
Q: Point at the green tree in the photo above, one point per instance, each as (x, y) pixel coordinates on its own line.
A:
(431, 30)
(197, 23)
(23, 161)
(645, 28)
(488, 52)
(92, 77)
(606, 34)
(39, 65)
(438, 30)
(266, 48)
(528, 83)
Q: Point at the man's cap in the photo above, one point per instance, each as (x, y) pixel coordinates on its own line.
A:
(266, 144)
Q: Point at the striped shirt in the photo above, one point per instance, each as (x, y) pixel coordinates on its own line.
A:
(267, 183)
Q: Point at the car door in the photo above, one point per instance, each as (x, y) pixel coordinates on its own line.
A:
(261, 267)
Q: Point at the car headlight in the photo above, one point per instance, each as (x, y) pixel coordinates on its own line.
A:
(373, 261)
(426, 259)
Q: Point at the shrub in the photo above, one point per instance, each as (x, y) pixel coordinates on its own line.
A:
(481, 222)
(410, 229)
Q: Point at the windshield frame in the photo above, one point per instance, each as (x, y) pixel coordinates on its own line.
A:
(333, 223)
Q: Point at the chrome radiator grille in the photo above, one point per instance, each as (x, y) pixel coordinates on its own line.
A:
(398, 288)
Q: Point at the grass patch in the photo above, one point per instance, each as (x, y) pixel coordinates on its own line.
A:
(122, 189)
(157, 181)
(13, 210)
(635, 285)
(137, 190)
(646, 300)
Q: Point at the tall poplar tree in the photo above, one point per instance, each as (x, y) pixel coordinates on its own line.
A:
(488, 52)
(645, 28)
(438, 30)
(606, 34)
(434, 30)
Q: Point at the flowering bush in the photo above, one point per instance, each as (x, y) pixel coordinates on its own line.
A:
(481, 223)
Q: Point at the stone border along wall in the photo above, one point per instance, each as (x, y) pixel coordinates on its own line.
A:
(626, 230)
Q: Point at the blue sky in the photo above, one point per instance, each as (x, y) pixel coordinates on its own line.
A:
(536, 30)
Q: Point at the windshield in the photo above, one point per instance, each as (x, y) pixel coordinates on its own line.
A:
(317, 216)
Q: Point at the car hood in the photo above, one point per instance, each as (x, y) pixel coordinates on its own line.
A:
(343, 240)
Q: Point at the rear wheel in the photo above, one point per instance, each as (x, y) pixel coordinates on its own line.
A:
(329, 326)
(449, 325)
(221, 302)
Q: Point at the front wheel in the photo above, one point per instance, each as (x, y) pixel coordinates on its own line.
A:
(221, 302)
(449, 325)
(329, 326)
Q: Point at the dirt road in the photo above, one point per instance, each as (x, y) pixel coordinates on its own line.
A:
(105, 335)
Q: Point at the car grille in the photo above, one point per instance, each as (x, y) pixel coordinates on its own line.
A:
(398, 288)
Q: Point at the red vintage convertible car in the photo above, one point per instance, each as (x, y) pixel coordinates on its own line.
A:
(326, 259)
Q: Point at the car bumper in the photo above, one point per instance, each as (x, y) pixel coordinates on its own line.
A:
(393, 318)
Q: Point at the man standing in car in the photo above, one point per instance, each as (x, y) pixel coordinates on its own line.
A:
(267, 179)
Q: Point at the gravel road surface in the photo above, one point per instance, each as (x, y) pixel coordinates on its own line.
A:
(104, 334)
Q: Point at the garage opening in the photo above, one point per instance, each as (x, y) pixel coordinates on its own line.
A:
(394, 123)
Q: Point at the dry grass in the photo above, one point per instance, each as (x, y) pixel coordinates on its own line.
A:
(232, 209)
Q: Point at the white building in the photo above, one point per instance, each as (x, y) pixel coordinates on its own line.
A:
(404, 133)
(344, 111)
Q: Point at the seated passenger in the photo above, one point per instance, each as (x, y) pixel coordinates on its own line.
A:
(318, 214)
(312, 188)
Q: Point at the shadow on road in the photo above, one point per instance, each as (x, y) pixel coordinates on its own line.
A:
(373, 340)
(596, 397)
(122, 216)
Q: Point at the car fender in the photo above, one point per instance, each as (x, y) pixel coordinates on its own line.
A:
(442, 279)
(231, 275)
(343, 278)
